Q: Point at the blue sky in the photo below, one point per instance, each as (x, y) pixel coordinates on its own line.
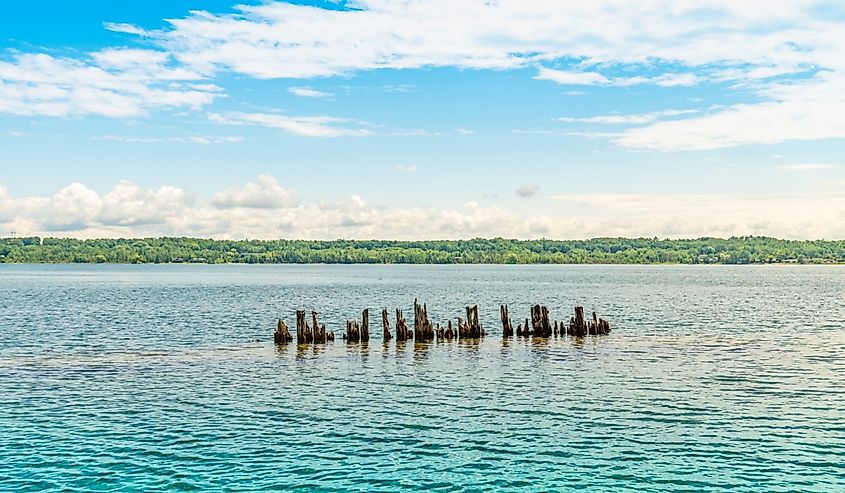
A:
(422, 119)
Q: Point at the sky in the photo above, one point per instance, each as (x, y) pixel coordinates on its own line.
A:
(439, 119)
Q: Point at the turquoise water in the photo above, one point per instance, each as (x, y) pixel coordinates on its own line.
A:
(140, 378)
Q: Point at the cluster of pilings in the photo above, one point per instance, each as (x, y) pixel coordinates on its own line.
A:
(305, 334)
(538, 325)
(356, 332)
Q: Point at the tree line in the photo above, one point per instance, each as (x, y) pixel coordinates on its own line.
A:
(735, 250)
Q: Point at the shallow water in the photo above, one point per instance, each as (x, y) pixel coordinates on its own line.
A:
(137, 378)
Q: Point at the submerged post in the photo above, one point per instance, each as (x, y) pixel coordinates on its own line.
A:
(423, 331)
(385, 322)
(282, 333)
(303, 332)
(319, 331)
(472, 328)
(577, 325)
(507, 326)
(365, 325)
(540, 321)
(403, 333)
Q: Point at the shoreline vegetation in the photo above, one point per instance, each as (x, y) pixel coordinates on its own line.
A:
(734, 250)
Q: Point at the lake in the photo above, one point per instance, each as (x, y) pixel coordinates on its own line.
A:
(165, 377)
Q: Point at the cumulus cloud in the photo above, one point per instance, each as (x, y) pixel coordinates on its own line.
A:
(264, 193)
(256, 211)
(527, 191)
(128, 204)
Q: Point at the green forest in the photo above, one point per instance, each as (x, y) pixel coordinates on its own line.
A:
(735, 250)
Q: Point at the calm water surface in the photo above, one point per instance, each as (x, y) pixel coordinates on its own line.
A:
(139, 378)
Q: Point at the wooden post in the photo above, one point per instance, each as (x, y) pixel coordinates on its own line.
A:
(282, 333)
(540, 321)
(319, 332)
(303, 333)
(507, 326)
(577, 325)
(365, 325)
(450, 332)
(402, 331)
(386, 325)
(472, 328)
(423, 331)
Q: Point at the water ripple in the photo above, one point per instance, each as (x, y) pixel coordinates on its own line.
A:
(122, 378)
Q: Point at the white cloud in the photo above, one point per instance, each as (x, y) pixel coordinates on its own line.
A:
(307, 92)
(264, 193)
(805, 166)
(406, 168)
(464, 131)
(193, 139)
(117, 83)
(307, 126)
(572, 78)
(635, 119)
(790, 61)
(527, 191)
(121, 27)
(804, 110)
(283, 40)
(264, 209)
(128, 204)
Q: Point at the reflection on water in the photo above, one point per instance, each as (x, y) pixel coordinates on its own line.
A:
(143, 378)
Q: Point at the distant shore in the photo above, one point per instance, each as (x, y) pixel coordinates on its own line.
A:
(173, 250)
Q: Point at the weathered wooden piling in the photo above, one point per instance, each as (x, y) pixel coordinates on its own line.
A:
(540, 321)
(538, 325)
(385, 322)
(356, 332)
(524, 329)
(319, 331)
(471, 329)
(507, 326)
(450, 333)
(599, 326)
(577, 325)
(304, 334)
(365, 325)
(403, 333)
(423, 331)
(282, 333)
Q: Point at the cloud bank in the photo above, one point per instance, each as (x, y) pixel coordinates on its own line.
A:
(265, 209)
